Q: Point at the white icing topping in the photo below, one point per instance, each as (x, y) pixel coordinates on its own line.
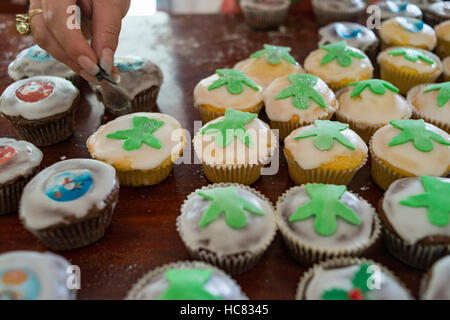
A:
(364, 40)
(438, 287)
(419, 65)
(49, 268)
(426, 103)
(392, 32)
(38, 211)
(60, 100)
(411, 11)
(442, 9)
(27, 157)
(443, 30)
(267, 6)
(411, 224)
(340, 5)
(283, 109)
(424, 4)
(407, 157)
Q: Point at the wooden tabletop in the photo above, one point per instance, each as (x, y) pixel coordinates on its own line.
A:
(142, 235)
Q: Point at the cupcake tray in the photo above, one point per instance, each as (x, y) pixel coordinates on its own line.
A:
(143, 232)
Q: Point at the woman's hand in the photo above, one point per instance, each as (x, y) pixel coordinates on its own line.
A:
(51, 33)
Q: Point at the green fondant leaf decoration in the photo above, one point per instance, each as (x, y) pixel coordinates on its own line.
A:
(274, 54)
(375, 85)
(359, 290)
(142, 131)
(444, 92)
(361, 278)
(415, 131)
(302, 90)
(231, 126)
(335, 294)
(411, 54)
(228, 202)
(325, 132)
(436, 198)
(340, 52)
(188, 284)
(326, 206)
(234, 80)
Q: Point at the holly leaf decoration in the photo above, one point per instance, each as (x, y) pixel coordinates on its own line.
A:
(234, 80)
(302, 90)
(411, 54)
(436, 198)
(326, 206)
(416, 131)
(275, 54)
(325, 132)
(188, 284)
(335, 294)
(142, 131)
(227, 201)
(231, 126)
(361, 278)
(375, 85)
(341, 52)
(359, 290)
(444, 92)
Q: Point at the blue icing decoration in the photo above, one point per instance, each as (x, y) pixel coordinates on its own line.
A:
(68, 186)
(345, 31)
(38, 54)
(410, 24)
(397, 6)
(129, 63)
(17, 284)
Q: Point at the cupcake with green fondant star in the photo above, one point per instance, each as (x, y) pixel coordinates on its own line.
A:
(409, 148)
(325, 221)
(415, 213)
(369, 105)
(407, 67)
(235, 148)
(269, 63)
(325, 152)
(141, 146)
(339, 65)
(298, 100)
(228, 225)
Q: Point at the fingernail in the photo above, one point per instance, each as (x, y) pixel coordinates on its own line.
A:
(107, 60)
(88, 77)
(88, 65)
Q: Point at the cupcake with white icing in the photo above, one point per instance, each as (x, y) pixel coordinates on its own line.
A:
(409, 148)
(443, 36)
(391, 9)
(235, 148)
(41, 109)
(141, 146)
(327, 11)
(325, 152)
(19, 162)
(351, 279)
(438, 12)
(435, 285)
(298, 100)
(414, 212)
(369, 105)
(227, 89)
(69, 205)
(324, 221)
(28, 275)
(230, 226)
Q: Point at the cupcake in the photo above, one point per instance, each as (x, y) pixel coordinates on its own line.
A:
(268, 64)
(186, 281)
(407, 32)
(435, 285)
(327, 11)
(391, 9)
(234, 148)
(350, 279)
(443, 39)
(41, 109)
(325, 152)
(431, 102)
(298, 100)
(142, 147)
(34, 61)
(77, 198)
(414, 213)
(320, 221)
(339, 65)
(407, 67)
(28, 275)
(227, 225)
(369, 105)
(446, 64)
(265, 14)
(438, 12)
(227, 89)
(409, 148)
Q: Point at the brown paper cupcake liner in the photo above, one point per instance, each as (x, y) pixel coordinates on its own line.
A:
(143, 102)
(324, 17)
(306, 255)
(10, 193)
(237, 263)
(150, 276)
(341, 263)
(141, 178)
(242, 174)
(208, 115)
(443, 48)
(265, 19)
